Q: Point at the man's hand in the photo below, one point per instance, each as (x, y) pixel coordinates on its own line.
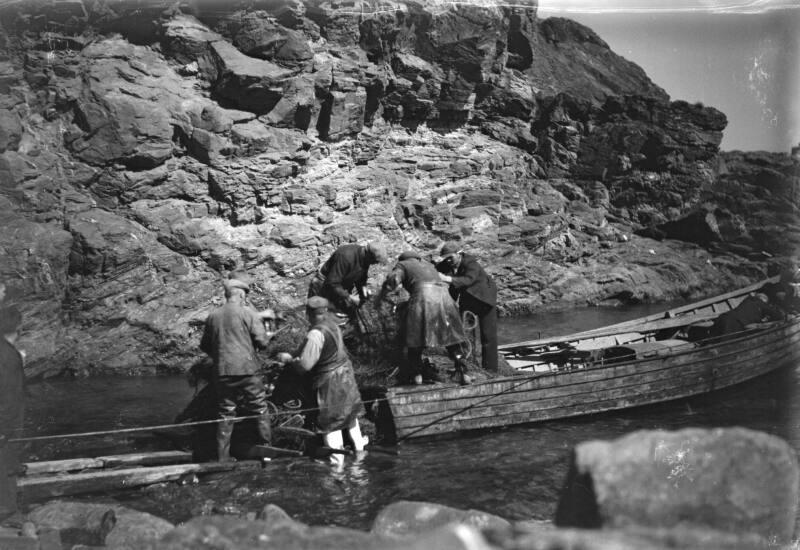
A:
(445, 278)
(268, 313)
(284, 357)
(365, 293)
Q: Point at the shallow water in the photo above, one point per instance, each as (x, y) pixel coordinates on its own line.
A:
(515, 472)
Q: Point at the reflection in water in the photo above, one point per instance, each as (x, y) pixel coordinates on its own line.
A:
(514, 472)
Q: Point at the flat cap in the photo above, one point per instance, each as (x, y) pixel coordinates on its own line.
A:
(236, 283)
(378, 251)
(317, 302)
(450, 248)
(409, 254)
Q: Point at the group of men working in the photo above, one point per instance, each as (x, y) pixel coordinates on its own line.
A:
(431, 319)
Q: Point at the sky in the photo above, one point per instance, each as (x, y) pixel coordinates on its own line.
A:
(739, 56)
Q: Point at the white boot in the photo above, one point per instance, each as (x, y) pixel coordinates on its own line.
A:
(334, 440)
(359, 441)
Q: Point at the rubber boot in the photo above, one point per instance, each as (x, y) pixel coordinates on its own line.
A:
(359, 441)
(224, 432)
(264, 429)
(461, 371)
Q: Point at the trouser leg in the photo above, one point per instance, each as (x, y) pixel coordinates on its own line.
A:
(254, 403)
(488, 327)
(414, 365)
(226, 390)
(8, 481)
(457, 354)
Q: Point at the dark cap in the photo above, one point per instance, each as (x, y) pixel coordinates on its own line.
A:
(317, 302)
(450, 248)
(378, 251)
(409, 254)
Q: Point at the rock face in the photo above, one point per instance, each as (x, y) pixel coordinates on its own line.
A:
(732, 480)
(147, 150)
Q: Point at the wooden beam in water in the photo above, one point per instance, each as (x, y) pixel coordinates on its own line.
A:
(41, 487)
(111, 461)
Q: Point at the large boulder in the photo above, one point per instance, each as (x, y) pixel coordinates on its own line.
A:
(104, 525)
(733, 480)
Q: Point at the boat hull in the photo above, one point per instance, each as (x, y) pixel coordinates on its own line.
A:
(663, 376)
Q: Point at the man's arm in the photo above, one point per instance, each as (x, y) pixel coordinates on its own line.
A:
(258, 333)
(472, 272)
(310, 353)
(206, 343)
(339, 269)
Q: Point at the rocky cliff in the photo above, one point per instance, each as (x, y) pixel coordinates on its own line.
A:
(148, 147)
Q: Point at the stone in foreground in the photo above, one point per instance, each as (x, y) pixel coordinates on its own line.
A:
(734, 480)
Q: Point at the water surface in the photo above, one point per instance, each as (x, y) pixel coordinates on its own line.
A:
(515, 472)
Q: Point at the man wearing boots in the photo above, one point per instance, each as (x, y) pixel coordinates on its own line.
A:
(475, 291)
(431, 317)
(231, 335)
(324, 357)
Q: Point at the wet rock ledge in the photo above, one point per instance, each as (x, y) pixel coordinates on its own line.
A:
(726, 488)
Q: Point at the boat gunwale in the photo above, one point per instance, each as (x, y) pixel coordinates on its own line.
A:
(615, 329)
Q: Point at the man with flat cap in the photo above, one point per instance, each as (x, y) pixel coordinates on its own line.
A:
(324, 357)
(231, 335)
(345, 271)
(475, 291)
(431, 317)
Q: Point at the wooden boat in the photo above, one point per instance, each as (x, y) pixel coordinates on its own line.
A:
(639, 362)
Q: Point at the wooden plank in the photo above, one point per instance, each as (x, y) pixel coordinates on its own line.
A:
(49, 486)
(132, 459)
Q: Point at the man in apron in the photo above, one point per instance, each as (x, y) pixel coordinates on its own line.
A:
(324, 357)
(431, 318)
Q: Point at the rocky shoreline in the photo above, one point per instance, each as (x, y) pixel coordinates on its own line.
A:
(728, 488)
(147, 151)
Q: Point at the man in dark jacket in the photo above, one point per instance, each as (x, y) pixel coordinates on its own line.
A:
(475, 291)
(12, 408)
(324, 356)
(232, 334)
(345, 271)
